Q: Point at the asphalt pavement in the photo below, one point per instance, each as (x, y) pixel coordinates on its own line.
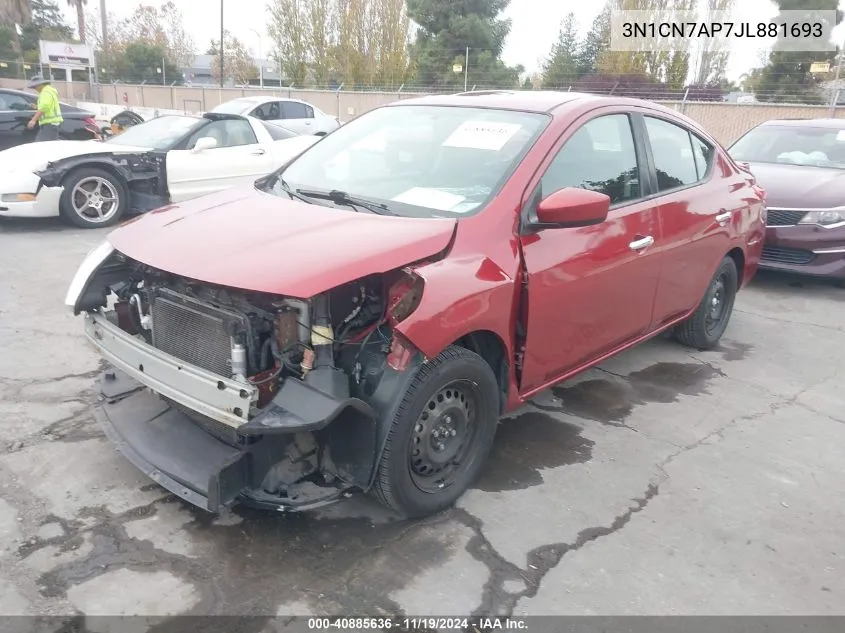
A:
(665, 481)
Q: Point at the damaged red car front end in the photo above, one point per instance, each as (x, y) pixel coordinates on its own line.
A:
(253, 368)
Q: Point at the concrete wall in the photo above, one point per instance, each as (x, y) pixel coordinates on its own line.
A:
(726, 121)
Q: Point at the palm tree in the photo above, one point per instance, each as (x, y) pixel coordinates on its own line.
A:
(80, 16)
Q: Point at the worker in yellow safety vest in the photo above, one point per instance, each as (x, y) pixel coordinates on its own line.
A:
(48, 115)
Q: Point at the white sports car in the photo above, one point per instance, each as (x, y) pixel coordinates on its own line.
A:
(167, 159)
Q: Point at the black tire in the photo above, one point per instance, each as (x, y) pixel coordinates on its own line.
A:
(401, 483)
(705, 327)
(70, 199)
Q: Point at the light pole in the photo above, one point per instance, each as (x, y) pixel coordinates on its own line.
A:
(260, 60)
(221, 43)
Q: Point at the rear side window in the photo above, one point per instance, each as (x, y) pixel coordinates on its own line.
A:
(294, 110)
(680, 158)
(703, 153)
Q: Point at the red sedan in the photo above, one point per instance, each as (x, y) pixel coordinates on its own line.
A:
(361, 318)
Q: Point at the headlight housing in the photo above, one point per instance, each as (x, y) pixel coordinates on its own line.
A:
(93, 260)
(824, 217)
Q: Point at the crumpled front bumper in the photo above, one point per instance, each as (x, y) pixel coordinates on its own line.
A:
(187, 460)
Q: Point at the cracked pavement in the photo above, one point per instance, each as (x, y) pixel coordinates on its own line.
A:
(665, 481)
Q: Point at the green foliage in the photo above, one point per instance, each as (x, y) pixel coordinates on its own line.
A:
(786, 77)
(597, 40)
(8, 52)
(447, 29)
(561, 68)
(138, 63)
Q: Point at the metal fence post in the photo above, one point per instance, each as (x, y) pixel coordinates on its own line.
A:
(290, 87)
(399, 92)
(337, 95)
(834, 103)
(684, 101)
(203, 99)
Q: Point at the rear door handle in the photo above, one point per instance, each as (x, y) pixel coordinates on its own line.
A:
(640, 244)
(723, 218)
(258, 152)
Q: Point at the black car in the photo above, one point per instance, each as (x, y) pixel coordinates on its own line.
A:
(17, 108)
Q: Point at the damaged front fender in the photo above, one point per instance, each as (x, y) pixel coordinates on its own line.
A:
(144, 174)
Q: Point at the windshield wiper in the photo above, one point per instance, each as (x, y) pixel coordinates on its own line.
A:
(341, 197)
(293, 194)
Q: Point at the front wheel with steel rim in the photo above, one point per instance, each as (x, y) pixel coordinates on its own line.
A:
(705, 327)
(440, 436)
(92, 198)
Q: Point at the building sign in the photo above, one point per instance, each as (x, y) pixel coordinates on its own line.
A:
(67, 55)
(819, 67)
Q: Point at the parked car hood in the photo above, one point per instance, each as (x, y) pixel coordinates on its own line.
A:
(248, 239)
(37, 155)
(800, 187)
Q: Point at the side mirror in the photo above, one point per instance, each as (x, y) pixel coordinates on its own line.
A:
(204, 143)
(572, 207)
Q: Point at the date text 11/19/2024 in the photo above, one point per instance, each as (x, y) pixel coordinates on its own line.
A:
(686, 30)
(423, 623)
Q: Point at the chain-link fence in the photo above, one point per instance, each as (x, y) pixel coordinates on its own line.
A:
(725, 120)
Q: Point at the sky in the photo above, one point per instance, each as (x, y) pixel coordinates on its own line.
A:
(535, 25)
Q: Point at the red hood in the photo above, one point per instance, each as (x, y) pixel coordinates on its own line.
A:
(243, 238)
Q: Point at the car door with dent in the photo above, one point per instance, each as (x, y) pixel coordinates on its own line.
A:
(237, 159)
(590, 290)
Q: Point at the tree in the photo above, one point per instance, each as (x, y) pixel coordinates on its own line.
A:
(161, 26)
(80, 16)
(451, 30)
(713, 56)
(238, 64)
(140, 61)
(786, 77)
(358, 42)
(290, 29)
(47, 24)
(13, 12)
(597, 40)
(561, 68)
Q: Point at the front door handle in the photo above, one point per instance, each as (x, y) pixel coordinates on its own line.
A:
(258, 152)
(723, 218)
(640, 244)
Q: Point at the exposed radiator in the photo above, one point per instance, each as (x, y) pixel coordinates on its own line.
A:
(194, 331)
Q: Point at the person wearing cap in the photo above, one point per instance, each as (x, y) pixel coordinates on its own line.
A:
(48, 115)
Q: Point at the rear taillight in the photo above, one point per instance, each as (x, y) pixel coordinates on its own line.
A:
(90, 121)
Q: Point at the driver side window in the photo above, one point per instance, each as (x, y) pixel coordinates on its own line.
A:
(599, 156)
(227, 133)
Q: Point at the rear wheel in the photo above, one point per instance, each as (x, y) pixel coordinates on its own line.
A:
(93, 198)
(705, 327)
(441, 435)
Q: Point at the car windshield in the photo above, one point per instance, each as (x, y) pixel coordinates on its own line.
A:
(236, 106)
(159, 133)
(421, 161)
(792, 145)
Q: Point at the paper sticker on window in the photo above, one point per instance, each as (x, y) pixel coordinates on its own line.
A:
(429, 198)
(482, 135)
(840, 136)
